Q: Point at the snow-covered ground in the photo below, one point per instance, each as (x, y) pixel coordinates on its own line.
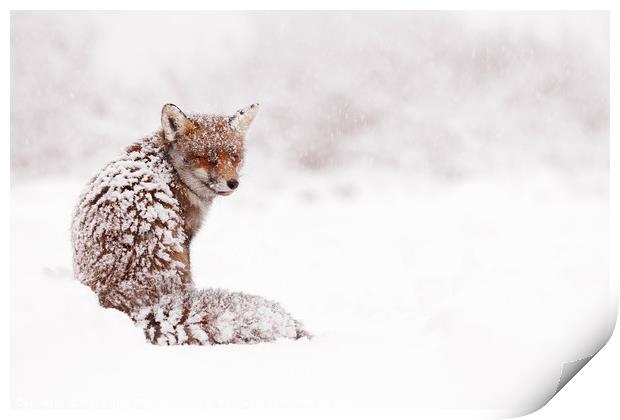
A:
(466, 295)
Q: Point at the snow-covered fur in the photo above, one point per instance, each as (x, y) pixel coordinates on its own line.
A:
(215, 316)
(134, 223)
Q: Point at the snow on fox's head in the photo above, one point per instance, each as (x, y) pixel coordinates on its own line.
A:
(206, 150)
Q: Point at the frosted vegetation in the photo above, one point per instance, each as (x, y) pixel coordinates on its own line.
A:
(444, 95)
(426, 192)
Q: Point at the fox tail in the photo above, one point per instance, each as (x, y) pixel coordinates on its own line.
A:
(215, 316)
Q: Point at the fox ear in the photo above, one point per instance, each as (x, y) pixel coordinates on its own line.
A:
(173, 121)
(243, 118)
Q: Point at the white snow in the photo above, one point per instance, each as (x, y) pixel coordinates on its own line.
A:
(418, 295)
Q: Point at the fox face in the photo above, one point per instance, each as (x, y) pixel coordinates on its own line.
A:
(206, 150)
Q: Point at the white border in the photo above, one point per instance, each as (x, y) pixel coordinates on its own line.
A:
(310, 5)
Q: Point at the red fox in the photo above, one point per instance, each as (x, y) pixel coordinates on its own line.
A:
(133, 226)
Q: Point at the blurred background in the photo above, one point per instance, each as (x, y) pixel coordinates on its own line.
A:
(439, 95)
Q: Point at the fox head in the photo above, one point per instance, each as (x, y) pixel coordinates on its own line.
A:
(206, 150)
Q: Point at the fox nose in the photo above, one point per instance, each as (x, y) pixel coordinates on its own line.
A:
(232, 183)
